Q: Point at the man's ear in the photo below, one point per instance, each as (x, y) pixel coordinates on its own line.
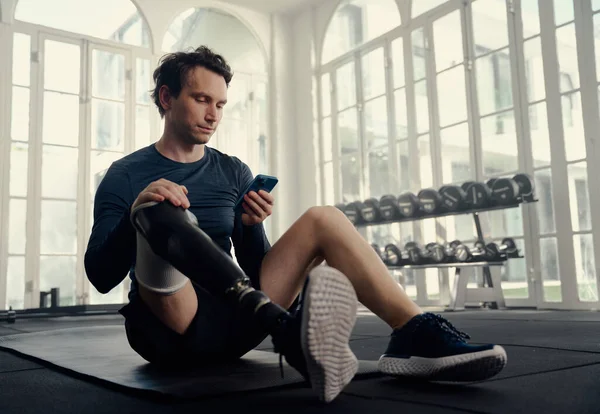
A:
(165, 97)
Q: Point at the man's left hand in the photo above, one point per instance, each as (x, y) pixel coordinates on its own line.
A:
(257, 207)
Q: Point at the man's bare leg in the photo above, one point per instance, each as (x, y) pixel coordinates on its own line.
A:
(422, 345)
(324, 232)
(176, 311)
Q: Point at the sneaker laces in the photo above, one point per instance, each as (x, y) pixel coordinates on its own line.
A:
(277, 349)
(449, 328)
(280, 346)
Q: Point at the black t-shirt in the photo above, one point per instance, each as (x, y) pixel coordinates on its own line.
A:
(214, 184)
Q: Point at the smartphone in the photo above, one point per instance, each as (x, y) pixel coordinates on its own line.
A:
(260, 182)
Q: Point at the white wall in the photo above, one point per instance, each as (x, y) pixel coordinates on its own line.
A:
(303, 108)
(284, 149)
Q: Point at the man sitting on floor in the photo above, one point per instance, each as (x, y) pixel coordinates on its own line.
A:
(165, 215)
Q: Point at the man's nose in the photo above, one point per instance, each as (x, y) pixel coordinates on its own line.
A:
(211, 113)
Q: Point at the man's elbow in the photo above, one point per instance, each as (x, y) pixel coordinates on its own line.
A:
(95, 274)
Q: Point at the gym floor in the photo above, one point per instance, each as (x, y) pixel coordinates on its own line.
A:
(553, 367)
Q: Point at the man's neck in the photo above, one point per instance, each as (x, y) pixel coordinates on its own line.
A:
(173, 149)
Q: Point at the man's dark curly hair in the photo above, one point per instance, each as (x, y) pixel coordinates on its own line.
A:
(174, 68)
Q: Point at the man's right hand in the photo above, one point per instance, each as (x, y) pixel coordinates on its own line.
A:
(162, 190)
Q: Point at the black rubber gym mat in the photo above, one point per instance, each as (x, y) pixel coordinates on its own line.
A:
(564, 391)
(575, 336)
(102, 353)
(12, 363)
(24, 324)
(47, 391)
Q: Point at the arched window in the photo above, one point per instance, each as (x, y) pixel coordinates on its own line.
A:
(220, 31)
(88, 65)
(356, 22)
(117, 20)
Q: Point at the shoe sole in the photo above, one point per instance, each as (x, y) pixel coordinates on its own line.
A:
(475, 366)
(328, 317)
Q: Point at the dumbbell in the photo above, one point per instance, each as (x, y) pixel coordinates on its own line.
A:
(341, 207)
(453, 198)
(505, 191)
(478, 195)
(393, 256)
(507, 249)
(433, 253)
(450, 249)
(526, 185)
(479, 253)
(409, 204)
(430, 200)
(369, 211)
(352, 211)
(389, 208)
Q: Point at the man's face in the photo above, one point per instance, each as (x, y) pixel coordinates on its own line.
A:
(196, 113)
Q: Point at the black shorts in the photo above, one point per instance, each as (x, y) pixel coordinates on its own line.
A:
(218, 333)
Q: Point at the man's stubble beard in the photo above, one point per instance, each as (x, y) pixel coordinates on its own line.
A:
(190, 137)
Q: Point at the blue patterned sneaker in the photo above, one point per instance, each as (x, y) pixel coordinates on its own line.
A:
(430, 348)
(314, 339)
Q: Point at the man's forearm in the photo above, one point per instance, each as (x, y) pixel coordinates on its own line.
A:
(253, 247)
(108, 261)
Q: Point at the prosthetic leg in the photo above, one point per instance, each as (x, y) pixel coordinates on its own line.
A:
(172, 248)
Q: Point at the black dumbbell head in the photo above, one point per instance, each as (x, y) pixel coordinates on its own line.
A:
(414, 252)
(393, 255)
(494, 253)
(466, 185)
(453, 198)
(370, 210)
(509, 245)
(411, 245)
(352, 211)
(388, 207)
(479, 245)
(409, 204)
(526, 185)
(437, 252)
(490, 254)
(454, 244)
(478, 195)
(430, 200)
(505, 191)
(461, 253)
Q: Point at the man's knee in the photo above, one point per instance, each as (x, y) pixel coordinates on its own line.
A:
(322, 215)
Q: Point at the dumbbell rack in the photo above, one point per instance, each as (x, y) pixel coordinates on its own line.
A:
(490, 291)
